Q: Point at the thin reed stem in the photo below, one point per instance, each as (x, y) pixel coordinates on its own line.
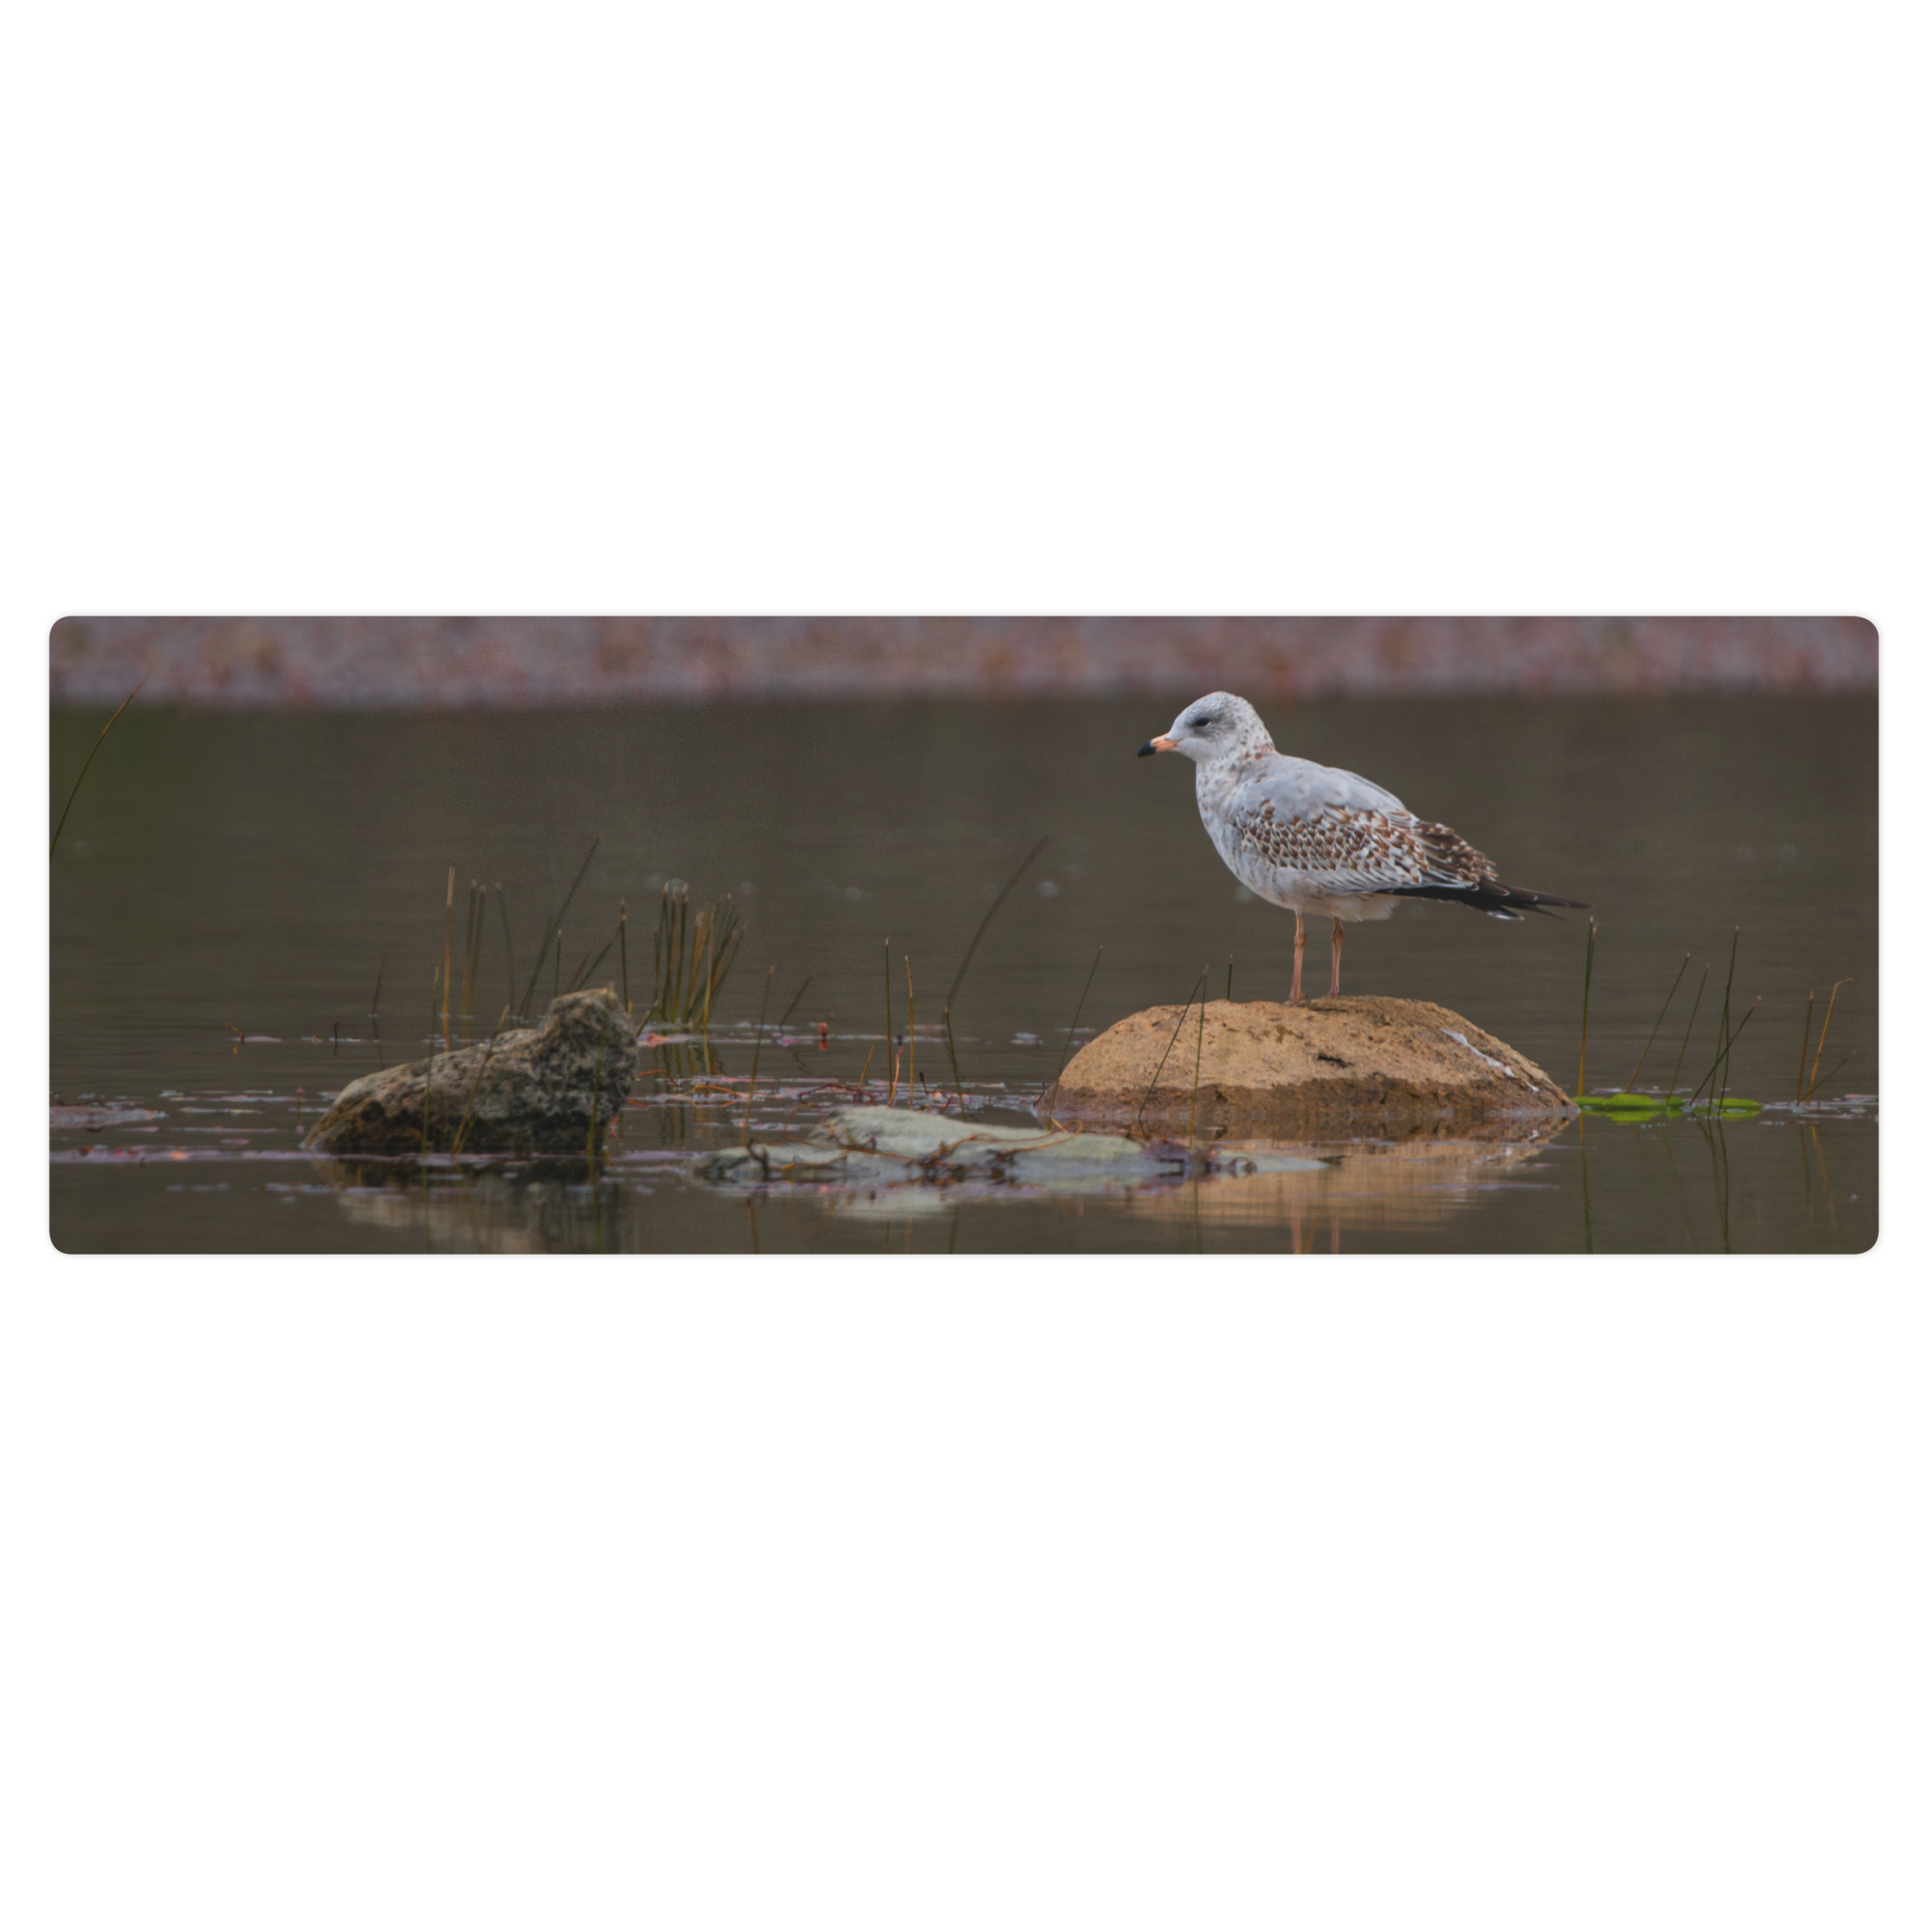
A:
(1199, 984)
(558, 923)
(53, 845)
(1825, 1030)
(464, 1005)
(893, 1059)
(1804, 1046)
(596, 1108)
(1231, 978)
(429, 1071)
(1724, 1010)
(449, 907)
(1834, 1073)
(912, 1039)
(1583, 1051)
(1683, 1046)
(583, 975)
(757, 1046)
(1200, 1030)
(509, 956)
(623, 958)
(953, 1054)
(1660, 1012)
(376, 998)
(475, 1086)
(998, 899)
(795, 999)
(1067, 1046)
(1724, 1053)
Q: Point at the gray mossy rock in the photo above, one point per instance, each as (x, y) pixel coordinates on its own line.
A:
(1265, 1068)
(533, 1092)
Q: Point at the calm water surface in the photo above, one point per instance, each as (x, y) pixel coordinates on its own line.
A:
(232, 875)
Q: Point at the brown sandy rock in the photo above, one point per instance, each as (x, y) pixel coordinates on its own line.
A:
(532, 1094)
(1351, 1065)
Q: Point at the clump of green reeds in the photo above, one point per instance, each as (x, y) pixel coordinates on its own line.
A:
(691, 956)
(1718, 1069)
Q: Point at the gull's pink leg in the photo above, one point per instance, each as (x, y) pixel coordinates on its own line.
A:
(1301, 944)
(1335, 963)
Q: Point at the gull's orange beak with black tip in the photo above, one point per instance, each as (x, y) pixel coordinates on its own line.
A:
(1154, 745)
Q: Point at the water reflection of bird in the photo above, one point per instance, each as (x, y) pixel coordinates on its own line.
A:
(1316, 839)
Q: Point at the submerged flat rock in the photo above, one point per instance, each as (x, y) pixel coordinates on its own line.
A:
(1266, 1067)
(885, 1145)
(532, 1093)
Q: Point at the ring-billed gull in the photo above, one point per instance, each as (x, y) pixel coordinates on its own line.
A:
(1316, 839)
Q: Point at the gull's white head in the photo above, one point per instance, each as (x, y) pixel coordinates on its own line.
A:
(1219, 725)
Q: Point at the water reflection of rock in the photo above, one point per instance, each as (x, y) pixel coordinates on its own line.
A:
(531, 1212)
(1409, 1184)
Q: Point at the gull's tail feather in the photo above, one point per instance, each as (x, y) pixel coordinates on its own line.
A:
(1491, 895)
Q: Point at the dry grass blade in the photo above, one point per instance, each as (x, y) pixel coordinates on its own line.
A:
(53, 845)
(1805, 1045)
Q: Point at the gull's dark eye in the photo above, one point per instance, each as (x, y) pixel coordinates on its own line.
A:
(1198, 724)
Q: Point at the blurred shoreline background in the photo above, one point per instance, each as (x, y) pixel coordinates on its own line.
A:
(459, 662)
